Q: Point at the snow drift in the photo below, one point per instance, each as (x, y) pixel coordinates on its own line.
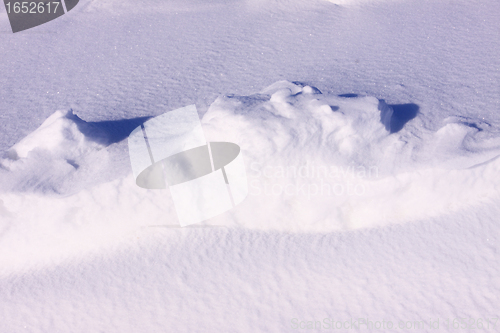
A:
(320, 162)
(315, 162)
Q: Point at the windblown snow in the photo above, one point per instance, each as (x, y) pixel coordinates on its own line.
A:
(315, 162)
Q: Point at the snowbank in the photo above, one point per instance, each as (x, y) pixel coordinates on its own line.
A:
(319, 162)
(314, 162)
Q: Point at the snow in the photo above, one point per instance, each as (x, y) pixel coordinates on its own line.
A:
(370, 140)
(58, 135)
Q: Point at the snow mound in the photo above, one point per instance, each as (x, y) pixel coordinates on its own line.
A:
(320, 162)
(314, 162)
(64, 155)
(63, 189)
(58, 135)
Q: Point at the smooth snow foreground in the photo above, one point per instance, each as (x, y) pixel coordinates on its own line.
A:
(314, 162)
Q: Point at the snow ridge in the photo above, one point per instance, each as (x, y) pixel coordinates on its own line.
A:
(315, 163)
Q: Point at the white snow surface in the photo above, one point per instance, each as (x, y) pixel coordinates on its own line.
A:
(370, 138)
